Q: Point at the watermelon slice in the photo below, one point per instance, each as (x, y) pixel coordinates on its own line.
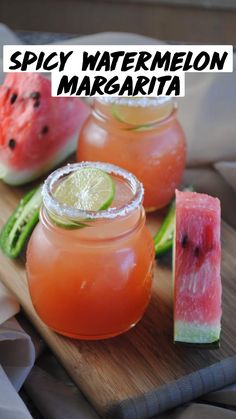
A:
(37, 131)
(197, 282)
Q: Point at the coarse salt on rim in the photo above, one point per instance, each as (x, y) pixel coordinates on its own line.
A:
(63, 210)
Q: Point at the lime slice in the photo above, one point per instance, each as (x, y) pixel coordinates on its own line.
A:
(132, 115)
(140, 118)
(88, 189)
(68, 224)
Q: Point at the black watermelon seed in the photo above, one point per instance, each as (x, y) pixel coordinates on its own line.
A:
(184, 241)
(13, 98)
(36, 103)
(197, 252)
(35, 95)
(45, 129)
(12, 143)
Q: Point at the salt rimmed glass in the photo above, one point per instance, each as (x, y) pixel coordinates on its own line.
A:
(141, 135)
(93, 282)
(65, 211)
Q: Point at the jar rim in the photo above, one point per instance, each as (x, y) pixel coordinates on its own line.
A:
(142, 102)
(160, 121)
(64, 210)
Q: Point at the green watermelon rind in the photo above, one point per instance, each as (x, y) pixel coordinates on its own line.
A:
(191, 332)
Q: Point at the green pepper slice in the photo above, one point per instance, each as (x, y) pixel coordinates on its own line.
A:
(163, 239)
(20, 224)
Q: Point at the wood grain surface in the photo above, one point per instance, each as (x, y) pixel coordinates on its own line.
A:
(145, 357)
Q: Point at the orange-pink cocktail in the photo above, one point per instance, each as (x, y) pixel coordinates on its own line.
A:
(92, 282)
(141, 135)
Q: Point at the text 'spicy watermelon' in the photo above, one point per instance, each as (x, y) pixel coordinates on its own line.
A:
(37, 131)
(197, 257)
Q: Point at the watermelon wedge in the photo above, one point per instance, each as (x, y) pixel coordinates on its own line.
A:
(37, 131)
(197, 281)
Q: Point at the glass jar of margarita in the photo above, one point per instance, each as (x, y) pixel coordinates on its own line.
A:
(142, 136)
(90, 272)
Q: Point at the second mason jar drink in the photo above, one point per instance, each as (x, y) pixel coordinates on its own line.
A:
(90, 272)
(141, 135)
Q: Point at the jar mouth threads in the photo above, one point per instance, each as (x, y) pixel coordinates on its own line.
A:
(63, 210)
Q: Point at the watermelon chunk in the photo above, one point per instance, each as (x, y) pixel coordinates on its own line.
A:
(37, 131)
(197, 281)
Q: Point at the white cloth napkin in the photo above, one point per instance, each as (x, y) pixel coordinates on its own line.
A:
(17, 354)
(11, 405)
(17, 357)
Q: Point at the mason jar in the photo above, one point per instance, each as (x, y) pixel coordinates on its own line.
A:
(142, 136)
(90, 272)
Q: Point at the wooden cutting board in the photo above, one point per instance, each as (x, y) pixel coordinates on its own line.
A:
(143, 358)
